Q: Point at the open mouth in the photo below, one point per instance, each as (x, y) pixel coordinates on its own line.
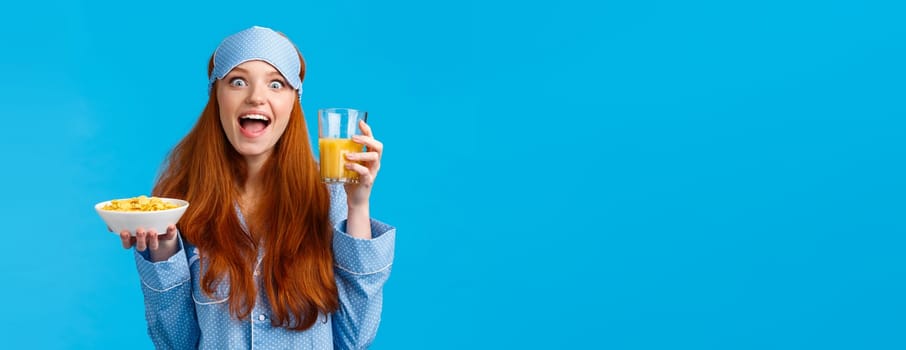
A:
(253, 124)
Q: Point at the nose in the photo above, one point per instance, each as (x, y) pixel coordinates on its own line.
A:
(256, 95)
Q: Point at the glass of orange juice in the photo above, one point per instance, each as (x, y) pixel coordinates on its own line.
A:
(336, 126)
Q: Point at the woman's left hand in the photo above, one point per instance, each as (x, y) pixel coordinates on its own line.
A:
(366, 164)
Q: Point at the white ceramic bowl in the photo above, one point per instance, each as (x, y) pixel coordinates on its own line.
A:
(132, 220)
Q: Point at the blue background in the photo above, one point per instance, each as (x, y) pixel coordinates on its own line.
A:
(627, 175)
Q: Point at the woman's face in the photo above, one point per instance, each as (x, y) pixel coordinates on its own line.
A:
(255, 103)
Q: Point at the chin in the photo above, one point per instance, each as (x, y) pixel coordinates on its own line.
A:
(253, 153)
(252, 150)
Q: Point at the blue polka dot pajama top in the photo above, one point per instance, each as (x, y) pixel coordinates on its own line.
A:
(181, 316)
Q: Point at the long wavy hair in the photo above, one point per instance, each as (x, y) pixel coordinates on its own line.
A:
(290, 221)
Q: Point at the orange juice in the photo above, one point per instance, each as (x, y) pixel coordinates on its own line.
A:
(333, 159)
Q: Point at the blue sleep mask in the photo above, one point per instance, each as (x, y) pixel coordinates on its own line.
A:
(258, 43)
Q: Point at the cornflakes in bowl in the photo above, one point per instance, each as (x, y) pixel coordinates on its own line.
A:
(141, 212)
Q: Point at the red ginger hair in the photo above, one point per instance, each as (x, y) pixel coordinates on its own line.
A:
(291, 219)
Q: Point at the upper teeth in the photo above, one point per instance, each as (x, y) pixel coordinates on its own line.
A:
(254, 116)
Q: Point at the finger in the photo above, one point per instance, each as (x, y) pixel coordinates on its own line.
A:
(141, 238)
(365, 175)
(371, 160)
(152, 239)
(363, 156)
(171, 233)
(126, 239)
(366, 130)
(369, 142)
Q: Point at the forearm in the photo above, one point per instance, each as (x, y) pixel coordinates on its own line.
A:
(362, 268)
(165, 250)
(171, 317)
(358, 222)
(169, 308)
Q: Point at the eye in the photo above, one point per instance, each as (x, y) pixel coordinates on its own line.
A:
(238, 82)
(276, 84)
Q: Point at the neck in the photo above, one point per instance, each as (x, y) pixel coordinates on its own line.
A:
(254, 181)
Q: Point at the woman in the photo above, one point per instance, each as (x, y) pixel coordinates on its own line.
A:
(266, 255)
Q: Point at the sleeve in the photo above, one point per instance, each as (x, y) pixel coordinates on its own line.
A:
(362, 266)
(169, 308)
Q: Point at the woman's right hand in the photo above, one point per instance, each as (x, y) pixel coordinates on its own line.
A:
(162, 246)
